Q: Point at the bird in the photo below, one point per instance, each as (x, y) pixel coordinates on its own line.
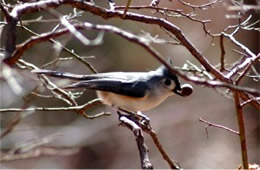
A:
(133, 91)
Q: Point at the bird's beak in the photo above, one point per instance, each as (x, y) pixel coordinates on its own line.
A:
(178, 92)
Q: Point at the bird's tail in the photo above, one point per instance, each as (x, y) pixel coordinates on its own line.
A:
(59, 74)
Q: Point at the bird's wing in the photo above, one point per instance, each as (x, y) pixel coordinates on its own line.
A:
(118, 86)
(71, 76)
(123, 84)
(59, 74)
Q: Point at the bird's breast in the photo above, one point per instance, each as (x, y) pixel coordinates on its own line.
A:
(131, 103)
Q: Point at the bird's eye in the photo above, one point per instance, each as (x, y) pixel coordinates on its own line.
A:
(167, 82)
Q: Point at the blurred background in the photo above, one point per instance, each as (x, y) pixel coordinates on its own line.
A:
(101, 142)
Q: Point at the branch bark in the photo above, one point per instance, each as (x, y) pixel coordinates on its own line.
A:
(142, 148)
(242, 133)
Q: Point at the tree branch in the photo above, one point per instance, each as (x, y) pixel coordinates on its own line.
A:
(142, 148)
(218, 126)
(78, 109)
(242, 135)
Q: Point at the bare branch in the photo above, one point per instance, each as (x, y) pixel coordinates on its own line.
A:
(73, 30)
(244, 63)
(65, 49)
(11, 125)
(58, 92)
(166, 12)
(222, 57)
(78, 109)
(173, 164)
(249, 101)
(141, 121)
(142, 148)
(246, 69)
(127, 7)
(242, 135)
(218, 126)
(240, 45)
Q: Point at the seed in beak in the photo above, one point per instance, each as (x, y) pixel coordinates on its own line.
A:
(186, 89)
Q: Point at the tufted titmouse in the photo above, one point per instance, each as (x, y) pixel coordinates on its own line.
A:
(134, 91)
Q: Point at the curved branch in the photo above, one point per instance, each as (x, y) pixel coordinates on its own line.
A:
(242, 133)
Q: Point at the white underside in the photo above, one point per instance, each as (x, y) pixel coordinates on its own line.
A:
(132, 103)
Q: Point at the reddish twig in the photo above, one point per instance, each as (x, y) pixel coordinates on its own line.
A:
(242, 135)
(164, 154)
(127, 7)
(11, 125)
(218, 126)
(222, 57)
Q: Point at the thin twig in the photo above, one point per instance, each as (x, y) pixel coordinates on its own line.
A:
(58, 92)
(166, 11)
(81, 59)
(246, 69)
(11, 125)
(222, 57)
(249, 101)
(79, 109)
(173, 164)
(127, 7)
(83, 39)
(218, 126)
